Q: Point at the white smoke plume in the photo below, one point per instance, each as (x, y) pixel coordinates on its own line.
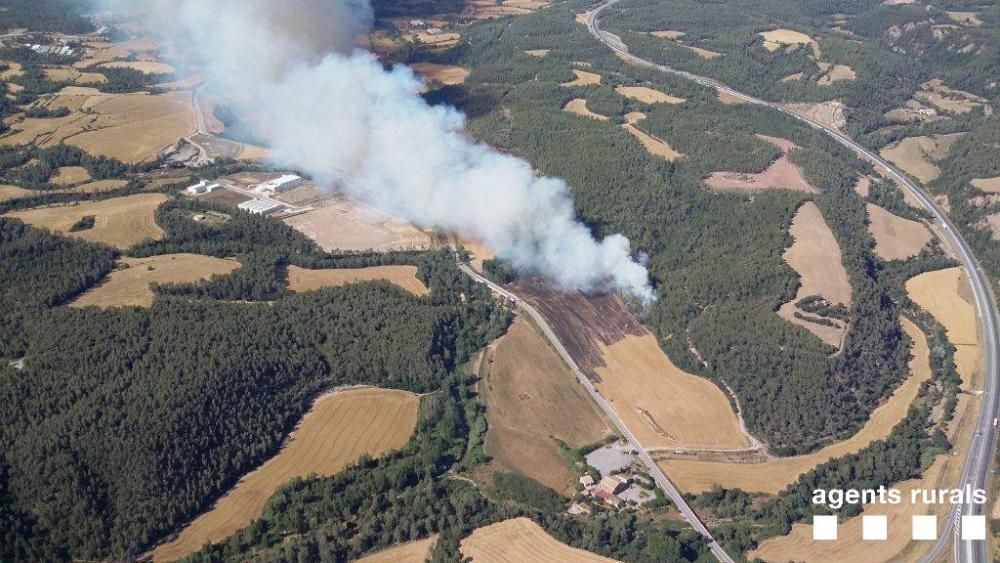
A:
(336, 114)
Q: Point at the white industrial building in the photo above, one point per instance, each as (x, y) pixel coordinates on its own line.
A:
(259, 206)
(280, 185)
(201, 187)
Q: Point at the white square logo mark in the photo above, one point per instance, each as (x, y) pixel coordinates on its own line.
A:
(973, 527)
(925, 527)
(824, 528)
(874, 528)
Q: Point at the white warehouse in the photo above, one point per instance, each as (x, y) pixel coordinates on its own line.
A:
(280, 185)
(259, 206)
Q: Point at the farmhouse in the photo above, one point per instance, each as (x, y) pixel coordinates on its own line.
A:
(259, 206)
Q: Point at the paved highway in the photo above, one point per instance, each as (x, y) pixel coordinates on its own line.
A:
(978, 461)
(661, 479)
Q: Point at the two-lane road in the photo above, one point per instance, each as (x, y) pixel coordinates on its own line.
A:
(978, 461)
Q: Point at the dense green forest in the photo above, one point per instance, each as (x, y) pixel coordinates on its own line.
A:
(62, 16)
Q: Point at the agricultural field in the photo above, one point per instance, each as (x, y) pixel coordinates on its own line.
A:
(917, 156)
(70, 175)
(778, 38)
(815, 255)
(773, 475)
(410, 552)
(943, 294)
(129, 284)
(578, 106)
(988, 185)
(782, 174)
(350, 225)
(532, 400)
(662, 405)
(648, 95)
(130, 127)
(477, 253)
(583, 78)
(653, 145)
(520, 540)
(301, 279)
(338, 429)
(120, 222)
(445, 74)
(896, 238)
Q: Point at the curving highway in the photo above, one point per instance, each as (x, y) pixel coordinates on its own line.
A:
(978, 460)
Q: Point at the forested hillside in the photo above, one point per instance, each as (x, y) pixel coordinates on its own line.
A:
(716, 258)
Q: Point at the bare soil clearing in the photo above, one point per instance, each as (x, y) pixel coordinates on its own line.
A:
(729, 99)
(338, 429)
(938, 293)
(668, 34)
(648, 95)
(410, 552)
(654, 145)
(837, 73)
(129, 284)
(120, 221)
(532, 400)
(781, 174)
(583, 78)
(520, 540)
(348, 224)
(863, 186)
(301, 279)
(775, 474)
(916, 155)
(537, 52)
(579, 107)
(815, 256)
(829, 113)
(896, 238)
(970, 19)
(445, 74)
(950, 100)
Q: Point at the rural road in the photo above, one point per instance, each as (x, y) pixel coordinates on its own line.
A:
(661, 479)
(978, 461)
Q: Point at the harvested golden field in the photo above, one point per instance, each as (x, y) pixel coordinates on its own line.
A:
(130, 127)
(13, 70)
(778, 38)
(13, 192)
(348, 224)
(647, 95)
(520, 540)
(703, 53)
(988, 185)
(777, 473)
(896, 238)
(664, 406)
(668, 34)
(148, 67)
(782, 174)
(445, 74)
(940, 293)
(129, 284)
(411, 552)
(793, 77)
(653, 145)
(945, 98)
(863, 186)
(338, 429)
(583, 78)
(579, 107)
(916, 155)
(102, 51)
(120, 221)
(837, 73)
(816, 258)
(537, 52)
(100, 186)
(477, 253)
(301, 279)
(532, 399)
(487, 9)
(68, 175)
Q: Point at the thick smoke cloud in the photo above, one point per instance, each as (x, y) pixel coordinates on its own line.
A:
(339, 116)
